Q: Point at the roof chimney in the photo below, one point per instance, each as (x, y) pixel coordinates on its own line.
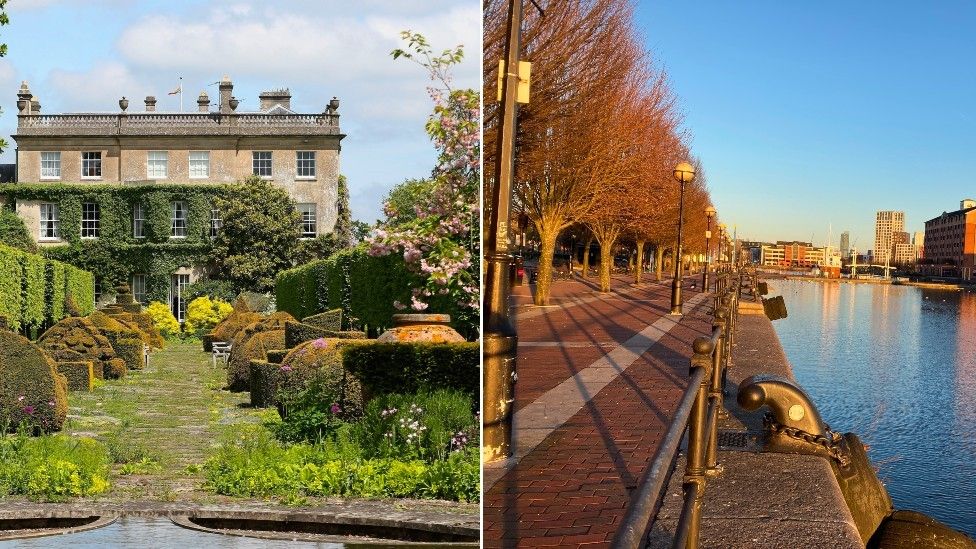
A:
(203, 102)
(150, 103)
(275, 97)
(226, 91)
(35, 106)
(24, 99)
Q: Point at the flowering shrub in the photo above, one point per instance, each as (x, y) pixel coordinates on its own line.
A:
(203, 314)
(163, 319)
(440, 240)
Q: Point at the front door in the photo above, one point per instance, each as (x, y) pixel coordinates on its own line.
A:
(177, 300)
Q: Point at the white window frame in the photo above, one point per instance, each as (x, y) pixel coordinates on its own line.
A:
(177, 223)
(139, 287)
(51, 165)
(50, 223)
(306, 164)
(215, 222)
(138, 220)
(309, 222)
(177, 303)
(157, 164)
(258, 162)
(94, 162)
(90, 225)
(202, 160)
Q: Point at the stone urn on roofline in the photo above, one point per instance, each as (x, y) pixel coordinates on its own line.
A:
(417, 328)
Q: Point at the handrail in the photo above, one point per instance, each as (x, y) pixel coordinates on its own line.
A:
(697, 413)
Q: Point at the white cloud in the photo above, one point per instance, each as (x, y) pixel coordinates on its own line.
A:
(97, 89)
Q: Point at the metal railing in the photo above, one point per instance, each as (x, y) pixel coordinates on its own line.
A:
(709, 366)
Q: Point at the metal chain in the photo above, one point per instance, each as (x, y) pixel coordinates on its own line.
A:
(831, 442)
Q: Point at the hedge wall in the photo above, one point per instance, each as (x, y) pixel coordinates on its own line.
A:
(33, 290)
(410, 367)
(363, 286)
(116, 254)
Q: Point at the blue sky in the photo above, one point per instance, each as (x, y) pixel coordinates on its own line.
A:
(83, 55)
(807, 114)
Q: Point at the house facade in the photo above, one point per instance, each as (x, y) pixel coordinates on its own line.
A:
(180, 155)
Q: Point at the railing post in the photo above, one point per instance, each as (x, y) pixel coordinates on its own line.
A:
(694, 479)
(716, 381)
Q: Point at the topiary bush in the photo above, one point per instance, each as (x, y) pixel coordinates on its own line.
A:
(162, 318)
(313, 372)
(264, 381)
(254, 347)
(329, 320)
(80, 375)
(76, 339)
(411, 367)
(132, 353)
(31, 389)
(297, 333)
(230, 327)
(115, 368)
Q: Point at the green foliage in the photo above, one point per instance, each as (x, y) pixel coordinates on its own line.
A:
(14, 233)
(259, 233)
(405, 199)
(163, 319)
(31, 390)
(203, 314)
(52, 467)
(427, 426)
(253, 464)
(116, 254)
(365, 287)
(410, 367)
(320, 247)
(343, 226)
(33, 290)
(360, 230)
(311, 414)
(220, 289)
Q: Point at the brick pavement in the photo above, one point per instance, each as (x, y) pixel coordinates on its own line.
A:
(599, 378)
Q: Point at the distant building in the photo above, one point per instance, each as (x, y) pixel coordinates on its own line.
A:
(886, 223)
(903, 251)
(918, 240)
(845, 244)
(950, 243)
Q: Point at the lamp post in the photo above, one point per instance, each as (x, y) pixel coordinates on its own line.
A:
(709, 214)
(684, 173)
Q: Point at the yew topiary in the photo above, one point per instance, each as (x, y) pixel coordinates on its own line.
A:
(255, 347)
(76, 339)
(80, 375)
(230, 327)
(132, 353)
(321, 360)
(31, 389)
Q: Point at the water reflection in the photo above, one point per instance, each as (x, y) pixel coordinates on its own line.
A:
(897, 365)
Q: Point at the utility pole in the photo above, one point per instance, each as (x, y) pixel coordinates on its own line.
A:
(500, 336)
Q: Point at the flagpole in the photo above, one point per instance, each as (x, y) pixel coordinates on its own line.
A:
(181, 94)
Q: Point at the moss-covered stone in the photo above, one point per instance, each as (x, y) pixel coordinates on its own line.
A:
(80, 375)
(329, 320)
(31, 389)
(265, 378)
(76, 339)
(256, 346)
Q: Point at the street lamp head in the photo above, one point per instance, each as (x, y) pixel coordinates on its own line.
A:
(709, 212)
(684, 172)
(721, 226)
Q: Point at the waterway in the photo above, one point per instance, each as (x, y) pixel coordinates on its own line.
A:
(897, 366)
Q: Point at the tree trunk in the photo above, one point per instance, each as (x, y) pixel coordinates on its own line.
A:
(586, 256)
(547, 249)
(639, 263)
(606, 261)
(659, 262)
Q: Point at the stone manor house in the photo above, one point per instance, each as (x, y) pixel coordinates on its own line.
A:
(130, 155)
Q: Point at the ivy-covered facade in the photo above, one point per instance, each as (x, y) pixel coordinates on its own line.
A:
(129, 196)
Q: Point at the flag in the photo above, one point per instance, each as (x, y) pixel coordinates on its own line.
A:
(178, 89)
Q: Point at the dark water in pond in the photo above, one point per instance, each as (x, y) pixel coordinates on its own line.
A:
(145, 533)
(897, 366)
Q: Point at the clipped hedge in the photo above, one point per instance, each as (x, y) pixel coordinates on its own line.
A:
(131, 352)
(297, 333)
(265, 379)
(329, 320)
(255, 347)
(363, 286)
(115, 368)
(34, 290)
(77, 339)
(31, 389)
(320, 360)
(80, 375)
(410, 367)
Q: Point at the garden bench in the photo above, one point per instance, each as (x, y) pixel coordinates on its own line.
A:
(221, 350)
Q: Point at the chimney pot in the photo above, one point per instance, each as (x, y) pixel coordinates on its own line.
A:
(203, 102)
(226, 93)
(150, 103)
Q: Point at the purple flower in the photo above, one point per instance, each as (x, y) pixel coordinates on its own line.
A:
(21, 398)
(29, 410)
(335, 408)
(286, 368)
(320, 343)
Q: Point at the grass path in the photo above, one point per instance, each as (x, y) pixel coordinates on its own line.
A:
(160, 423)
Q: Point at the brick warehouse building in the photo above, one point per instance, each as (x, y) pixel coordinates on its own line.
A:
(134, 185)
(950, 243)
